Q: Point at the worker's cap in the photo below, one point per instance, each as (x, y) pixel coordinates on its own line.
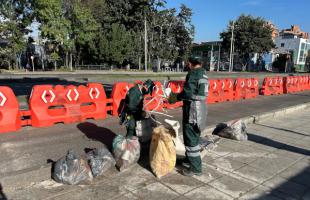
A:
(195, 60)
(150, 85)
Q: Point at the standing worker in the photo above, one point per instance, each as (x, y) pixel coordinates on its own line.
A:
(194, 96)
(133, 106)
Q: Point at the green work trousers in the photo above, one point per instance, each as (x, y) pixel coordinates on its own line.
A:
(191, 136)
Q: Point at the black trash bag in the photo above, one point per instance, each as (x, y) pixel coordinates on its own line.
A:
(235, 130)
(100, 160)
(72, 169)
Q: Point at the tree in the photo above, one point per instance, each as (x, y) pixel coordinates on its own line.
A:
(100, 31)
(171, 34)
(252, 35)
(54, 26)
(15, 18)
(84, 30)
(120, 44)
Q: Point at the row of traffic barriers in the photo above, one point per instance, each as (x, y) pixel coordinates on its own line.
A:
(284, 85)
(50, 104)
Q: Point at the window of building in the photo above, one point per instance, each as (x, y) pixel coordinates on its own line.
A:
(303, 46)
(282, 44)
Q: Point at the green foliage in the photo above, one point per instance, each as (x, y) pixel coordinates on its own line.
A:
(120, 44)
(251, 35)
(98, 31)
(15, 17)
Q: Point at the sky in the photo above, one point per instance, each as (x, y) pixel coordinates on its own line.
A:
(211, 17)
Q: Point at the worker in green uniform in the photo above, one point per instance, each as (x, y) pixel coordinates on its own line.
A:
(194, 96)
(133, 106)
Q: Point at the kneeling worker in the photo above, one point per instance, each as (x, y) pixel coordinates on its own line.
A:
(194, 96)
(133, 106)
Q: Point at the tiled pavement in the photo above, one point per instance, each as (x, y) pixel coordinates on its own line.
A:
(273, 164)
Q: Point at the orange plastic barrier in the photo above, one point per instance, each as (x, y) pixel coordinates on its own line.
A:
(50, 105)
(272, 86)
(303, 83)
(215, 91)
(308, 82)
(155, 100)
(228, 90)
(118, 95)
(252, 88)
(246, 88)
(290, 84)
(176, 87)
(9, 111)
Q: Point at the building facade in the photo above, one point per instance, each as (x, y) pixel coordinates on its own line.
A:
(295, 43)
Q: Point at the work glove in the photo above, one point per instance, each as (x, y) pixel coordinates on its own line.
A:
(172, 98)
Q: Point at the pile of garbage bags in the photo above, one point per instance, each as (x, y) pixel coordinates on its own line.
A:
(164, 150)
(73, 169)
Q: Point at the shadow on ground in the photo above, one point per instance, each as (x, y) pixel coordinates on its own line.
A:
(2, 195)
(276, 144)
(300, 178)
(303, 194)
(94, 132)
(282, 129)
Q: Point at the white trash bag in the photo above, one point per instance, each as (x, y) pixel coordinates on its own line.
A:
(236, 130)
(144, 128)
(179, 146)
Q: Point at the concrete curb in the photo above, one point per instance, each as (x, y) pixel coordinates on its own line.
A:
(263, 116)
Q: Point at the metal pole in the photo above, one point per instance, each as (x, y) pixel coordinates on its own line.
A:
(232, 57)
(145, 45)
(231, 46)
(211, 57)
(32, 63)
(219, 58)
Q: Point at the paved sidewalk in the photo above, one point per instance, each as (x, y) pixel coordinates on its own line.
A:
(273, 164)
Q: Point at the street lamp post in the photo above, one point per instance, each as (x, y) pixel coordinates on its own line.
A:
(211, 59)
(219, 58)
(31, 57)
(231, 47)
(145, 45)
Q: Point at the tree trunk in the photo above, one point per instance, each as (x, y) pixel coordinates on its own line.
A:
(9, 63)
(70, 64)
(158, 64)
(150, 62)
(66, 60)
(55, 65)
(16, 62)
(139, 63)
